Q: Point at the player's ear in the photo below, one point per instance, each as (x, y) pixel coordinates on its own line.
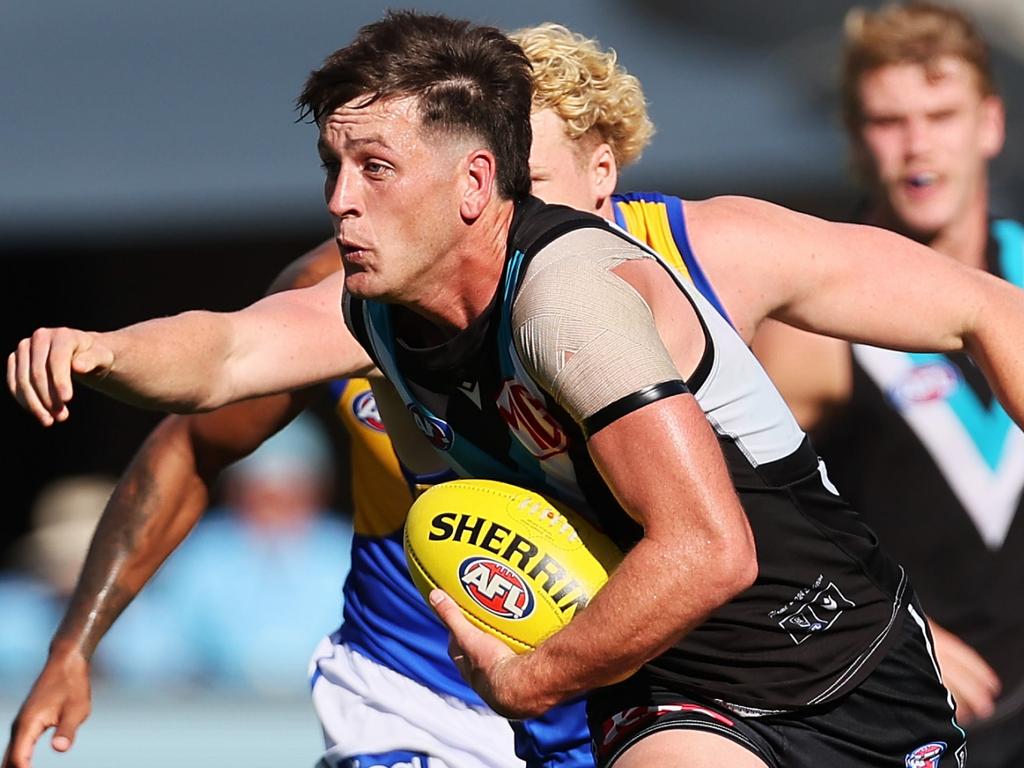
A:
(479, 183)
(603, 172)
(993, 126)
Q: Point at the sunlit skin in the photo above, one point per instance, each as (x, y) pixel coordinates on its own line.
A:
(579, 173)
(926, 137)
(414, 211)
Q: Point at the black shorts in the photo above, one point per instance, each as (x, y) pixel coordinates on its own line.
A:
(901, 716)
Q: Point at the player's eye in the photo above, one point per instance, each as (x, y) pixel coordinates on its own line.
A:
(331, 167)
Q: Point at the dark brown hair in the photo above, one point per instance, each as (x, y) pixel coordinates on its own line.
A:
(467, 79)
(918, 32)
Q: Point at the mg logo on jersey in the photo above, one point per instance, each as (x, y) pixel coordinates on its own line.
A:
(530, 421)
(496, 588)
(438, 432)
(364, 408)
(927, 756)
(925, 384)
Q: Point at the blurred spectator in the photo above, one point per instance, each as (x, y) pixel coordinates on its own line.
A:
(46, 564)
(249, 594)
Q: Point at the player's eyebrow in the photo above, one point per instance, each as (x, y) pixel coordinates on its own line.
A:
(362, 141)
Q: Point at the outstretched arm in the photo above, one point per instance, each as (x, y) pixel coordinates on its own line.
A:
(159, 499)
(862, 284)
(195, 361)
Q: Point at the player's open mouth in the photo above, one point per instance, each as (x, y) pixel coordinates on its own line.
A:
(921, 180)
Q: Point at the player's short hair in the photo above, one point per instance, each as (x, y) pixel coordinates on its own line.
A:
(913, 33)
(467, 79)
(588, 89)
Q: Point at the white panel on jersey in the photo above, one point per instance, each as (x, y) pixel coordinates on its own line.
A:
(989, 496)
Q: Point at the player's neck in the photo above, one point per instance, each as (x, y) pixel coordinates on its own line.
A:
(464, 283)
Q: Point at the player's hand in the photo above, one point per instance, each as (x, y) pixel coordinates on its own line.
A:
(39, 371)
(61, 699)
(486, 663)
(973, 683)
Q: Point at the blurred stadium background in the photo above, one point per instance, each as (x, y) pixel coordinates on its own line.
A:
(150, 162)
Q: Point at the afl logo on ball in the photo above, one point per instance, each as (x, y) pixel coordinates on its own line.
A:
(927, 756)
(364, 407)
(438, 432)
(496, 588)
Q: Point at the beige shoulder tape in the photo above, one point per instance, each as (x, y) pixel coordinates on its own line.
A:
(585, 334)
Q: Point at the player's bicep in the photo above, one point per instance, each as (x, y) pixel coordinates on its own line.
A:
(293, 339)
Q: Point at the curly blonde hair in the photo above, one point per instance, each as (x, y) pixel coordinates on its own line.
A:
(587, 88)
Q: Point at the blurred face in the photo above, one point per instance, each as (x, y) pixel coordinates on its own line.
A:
(392, 193)
(560, 172)
(925, 142)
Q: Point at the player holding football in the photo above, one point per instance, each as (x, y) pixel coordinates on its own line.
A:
(589, 120)
(775, 601)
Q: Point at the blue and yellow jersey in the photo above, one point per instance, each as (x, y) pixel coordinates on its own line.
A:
(658, 221)
(385, 619)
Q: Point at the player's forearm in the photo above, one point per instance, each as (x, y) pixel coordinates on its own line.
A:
(157, 502)
(643, 610)
(993, 338)
(177, 364)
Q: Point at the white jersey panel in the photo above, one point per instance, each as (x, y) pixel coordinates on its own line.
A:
(367, 709)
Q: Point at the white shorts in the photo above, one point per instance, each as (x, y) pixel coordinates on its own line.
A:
(374, 716)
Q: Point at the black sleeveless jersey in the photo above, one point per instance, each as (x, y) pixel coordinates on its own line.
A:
(820, 615)
(937, 466)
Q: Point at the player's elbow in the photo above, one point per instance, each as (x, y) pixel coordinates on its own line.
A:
(736, 569)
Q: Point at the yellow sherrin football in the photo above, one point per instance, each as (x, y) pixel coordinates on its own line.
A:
(518, 565)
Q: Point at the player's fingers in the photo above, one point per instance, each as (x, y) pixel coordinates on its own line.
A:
(72, 716)
(24, 391)
(24, 735)
(45, 343)
(63, 348)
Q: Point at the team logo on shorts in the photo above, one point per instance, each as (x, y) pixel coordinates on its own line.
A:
(496, 588)
(927, 756)
(438, 432)
(364, 408)
(925, 384)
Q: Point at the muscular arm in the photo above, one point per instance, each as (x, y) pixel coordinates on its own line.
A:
(862, 284)
(159, 499)
(195, 361)
(662, 462)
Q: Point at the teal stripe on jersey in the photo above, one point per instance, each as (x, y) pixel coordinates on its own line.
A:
(988, 426)
(1010, 235)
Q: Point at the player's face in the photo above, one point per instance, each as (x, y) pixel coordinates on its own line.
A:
(391, 194)
(925, 142)
(558, 172)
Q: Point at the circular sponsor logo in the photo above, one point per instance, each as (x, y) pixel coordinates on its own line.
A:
(925, 384)
(496, 588)
(364, 408)
(438, 432)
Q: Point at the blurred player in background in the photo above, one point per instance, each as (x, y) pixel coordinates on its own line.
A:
(918, 442)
